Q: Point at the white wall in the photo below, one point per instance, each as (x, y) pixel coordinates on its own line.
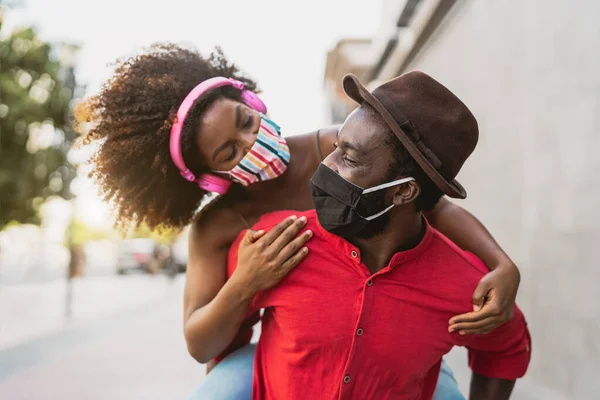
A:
(530, 72)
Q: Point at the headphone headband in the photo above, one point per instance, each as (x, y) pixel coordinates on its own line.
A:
(208, 182)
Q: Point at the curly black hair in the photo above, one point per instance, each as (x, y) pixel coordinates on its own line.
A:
(131, 119)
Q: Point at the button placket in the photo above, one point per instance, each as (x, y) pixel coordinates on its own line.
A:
(358, 331)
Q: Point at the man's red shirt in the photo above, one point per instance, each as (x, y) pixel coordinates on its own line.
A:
(333, 330)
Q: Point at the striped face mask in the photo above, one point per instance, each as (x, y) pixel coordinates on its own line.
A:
(267, 159)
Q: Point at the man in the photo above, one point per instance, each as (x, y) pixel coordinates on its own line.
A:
(365, 315)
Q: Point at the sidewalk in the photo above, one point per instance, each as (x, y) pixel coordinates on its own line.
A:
(32, 310)
(137, 353)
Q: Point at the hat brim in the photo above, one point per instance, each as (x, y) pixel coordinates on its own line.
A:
(357, 92)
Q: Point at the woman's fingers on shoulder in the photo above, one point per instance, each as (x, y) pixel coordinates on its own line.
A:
(294, 260)
(290, 233)
(285, 232)
(291, 248)
(252, 236)
(278, 229)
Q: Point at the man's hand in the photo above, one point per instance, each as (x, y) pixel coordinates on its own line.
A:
(493, 302)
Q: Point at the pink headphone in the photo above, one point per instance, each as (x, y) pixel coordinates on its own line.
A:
(209, 182)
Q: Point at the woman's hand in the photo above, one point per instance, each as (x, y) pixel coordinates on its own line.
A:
(493, 302)
(264, 259)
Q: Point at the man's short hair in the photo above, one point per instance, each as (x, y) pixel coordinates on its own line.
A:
(402, 164)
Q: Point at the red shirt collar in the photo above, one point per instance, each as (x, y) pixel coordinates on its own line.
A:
(397, 259)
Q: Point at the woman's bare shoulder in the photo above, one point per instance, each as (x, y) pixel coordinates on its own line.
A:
(327, 138)
(330, 131)
(216, 225)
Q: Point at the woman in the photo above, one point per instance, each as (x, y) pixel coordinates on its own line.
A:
(133, 119)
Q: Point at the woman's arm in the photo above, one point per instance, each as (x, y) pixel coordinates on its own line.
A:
(327, 139)
(210, 306)
(214, 306)
(494, 297)
(468, 233)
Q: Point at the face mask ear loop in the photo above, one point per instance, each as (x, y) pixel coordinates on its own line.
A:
(387, 185)
(372, 217)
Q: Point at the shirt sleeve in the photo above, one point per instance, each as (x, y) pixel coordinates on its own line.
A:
(503, 353)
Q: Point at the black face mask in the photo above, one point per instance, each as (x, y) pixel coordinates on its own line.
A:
(343, 208)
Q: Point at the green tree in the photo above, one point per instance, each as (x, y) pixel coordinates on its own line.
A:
(82, 233)
(36, 91)
(160, 235)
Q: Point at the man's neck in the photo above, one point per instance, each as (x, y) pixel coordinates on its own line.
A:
(404, 231)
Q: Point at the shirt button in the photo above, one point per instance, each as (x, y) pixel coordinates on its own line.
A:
(369, 282)
(347, 379)
(359, 332)
(354, 254)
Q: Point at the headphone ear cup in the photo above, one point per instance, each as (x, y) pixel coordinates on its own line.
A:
(253, 101)
(214, 183)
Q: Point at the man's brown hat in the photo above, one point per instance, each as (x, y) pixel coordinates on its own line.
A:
(436, 128)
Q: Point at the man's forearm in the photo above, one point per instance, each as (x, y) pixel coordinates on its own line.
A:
(484, 388)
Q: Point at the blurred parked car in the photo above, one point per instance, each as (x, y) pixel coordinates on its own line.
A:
(135, 255)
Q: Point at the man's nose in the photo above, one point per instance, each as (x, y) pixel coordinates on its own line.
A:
(330, 163)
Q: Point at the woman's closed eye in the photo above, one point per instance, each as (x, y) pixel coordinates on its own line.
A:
(233, 153)
(248, 123)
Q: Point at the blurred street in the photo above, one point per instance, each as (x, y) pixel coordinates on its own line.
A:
(32, 308)
(124, 340)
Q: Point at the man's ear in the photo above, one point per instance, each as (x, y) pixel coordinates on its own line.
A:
(406, 193)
